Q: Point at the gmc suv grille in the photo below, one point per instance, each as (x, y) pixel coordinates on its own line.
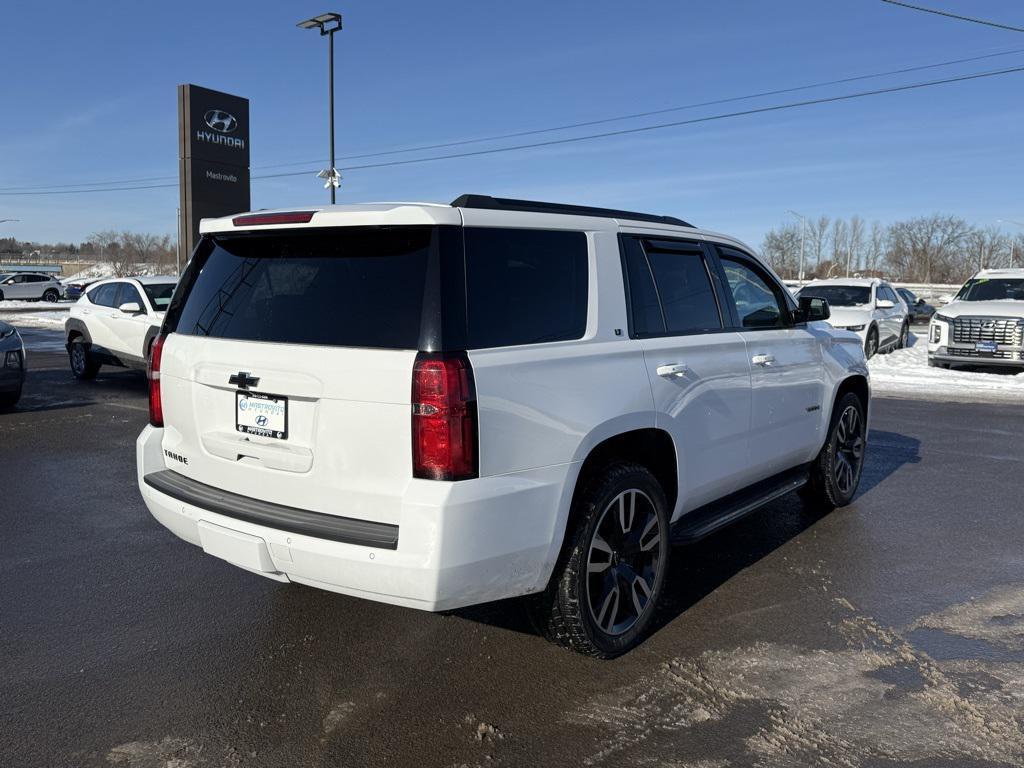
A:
(1001, 330)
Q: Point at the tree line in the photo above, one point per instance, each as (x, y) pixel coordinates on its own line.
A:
(128, 252)
(926, 249)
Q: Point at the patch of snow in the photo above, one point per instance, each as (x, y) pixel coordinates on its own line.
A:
(49, 318)
(905, 373)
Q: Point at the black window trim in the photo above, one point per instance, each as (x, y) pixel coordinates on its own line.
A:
(665, 243)
(788, 304)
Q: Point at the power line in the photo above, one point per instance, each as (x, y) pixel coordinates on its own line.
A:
(651, 113)
(949, 15)
(605, 134)
(674, 124)
(518, 134)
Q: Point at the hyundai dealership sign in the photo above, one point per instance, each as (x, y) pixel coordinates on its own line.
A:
(213, 158)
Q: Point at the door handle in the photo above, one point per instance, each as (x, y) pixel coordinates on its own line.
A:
(673, 369)
(763, 360)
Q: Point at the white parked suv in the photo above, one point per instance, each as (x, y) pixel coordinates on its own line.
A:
(442, 405)
(869, 307)
(30, 286)
(115, 323)
(983, 324)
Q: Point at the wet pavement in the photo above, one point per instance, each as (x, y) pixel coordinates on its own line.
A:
(887, 633)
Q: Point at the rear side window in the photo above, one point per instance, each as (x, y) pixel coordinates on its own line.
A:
(524, 286)
(351, 286)
(670, 289)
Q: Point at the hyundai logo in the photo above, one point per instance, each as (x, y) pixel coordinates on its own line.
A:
(261, 421)
(221, 121)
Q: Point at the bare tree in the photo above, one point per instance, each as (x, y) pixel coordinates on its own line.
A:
(781, 248)
(988, 246)
(876, 246)
(929, 247)
(817, 233)
(854, 245)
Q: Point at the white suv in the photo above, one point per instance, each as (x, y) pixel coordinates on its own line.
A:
(869, 307)
(115, 323)
(30, 286)
(442, 405)
(983, 324)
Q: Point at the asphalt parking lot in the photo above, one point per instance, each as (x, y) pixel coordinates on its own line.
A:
(889, 632)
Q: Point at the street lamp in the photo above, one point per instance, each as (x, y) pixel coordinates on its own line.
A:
(3, 220)
(328, 24)
(803, 227)
(1013, 242)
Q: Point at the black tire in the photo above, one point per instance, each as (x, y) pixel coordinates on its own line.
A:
(51, 296)
(871, 345)
(10, 399)
(83, 366)
(904, 336)
(836, 473)
(1, 295)
(582, 610)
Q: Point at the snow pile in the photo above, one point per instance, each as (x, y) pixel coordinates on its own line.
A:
(106, 269)
(34, 314)
(905, 373)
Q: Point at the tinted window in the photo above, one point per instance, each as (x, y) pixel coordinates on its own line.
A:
(992, 289)
(757, 303)
(839, 295)
(105, 295)
(524, 286)
(350, 287)
(684, 288)
(128, 294)
(645, 309)
(159, 294)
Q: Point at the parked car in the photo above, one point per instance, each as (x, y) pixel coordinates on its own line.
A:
(983, 324)
(30, 286)
(919, 310)
(73, 289)
(867, 306)
(12, 365)
(115, 323)
(442, 405)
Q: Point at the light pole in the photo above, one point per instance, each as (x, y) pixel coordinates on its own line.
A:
(3, 220)
(803, 228)
(328, 24)
(1013, 241)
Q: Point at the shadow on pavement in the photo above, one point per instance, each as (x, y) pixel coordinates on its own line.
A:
(696, 570)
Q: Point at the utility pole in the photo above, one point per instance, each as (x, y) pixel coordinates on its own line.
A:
(1013, 240)
(177, 245)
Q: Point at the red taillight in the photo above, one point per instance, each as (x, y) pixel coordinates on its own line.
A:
(156, 406)
(444, 427)
(259, 219)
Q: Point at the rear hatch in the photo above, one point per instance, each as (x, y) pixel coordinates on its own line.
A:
(286, 372)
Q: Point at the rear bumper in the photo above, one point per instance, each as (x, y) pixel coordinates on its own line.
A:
(455, 544)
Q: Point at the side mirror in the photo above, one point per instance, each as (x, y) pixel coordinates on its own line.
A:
(131, 308)
(812, 308)
(9, 281)
(884, 304)
(920, 303)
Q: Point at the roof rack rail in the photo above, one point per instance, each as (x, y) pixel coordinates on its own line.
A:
(532, 206)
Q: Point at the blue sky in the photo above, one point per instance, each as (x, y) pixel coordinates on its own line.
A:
(90, 96)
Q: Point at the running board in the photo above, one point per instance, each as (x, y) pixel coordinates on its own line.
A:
(703, 521)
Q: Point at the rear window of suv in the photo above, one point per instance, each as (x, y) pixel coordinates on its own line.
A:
(354, 287)
(406, 287)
